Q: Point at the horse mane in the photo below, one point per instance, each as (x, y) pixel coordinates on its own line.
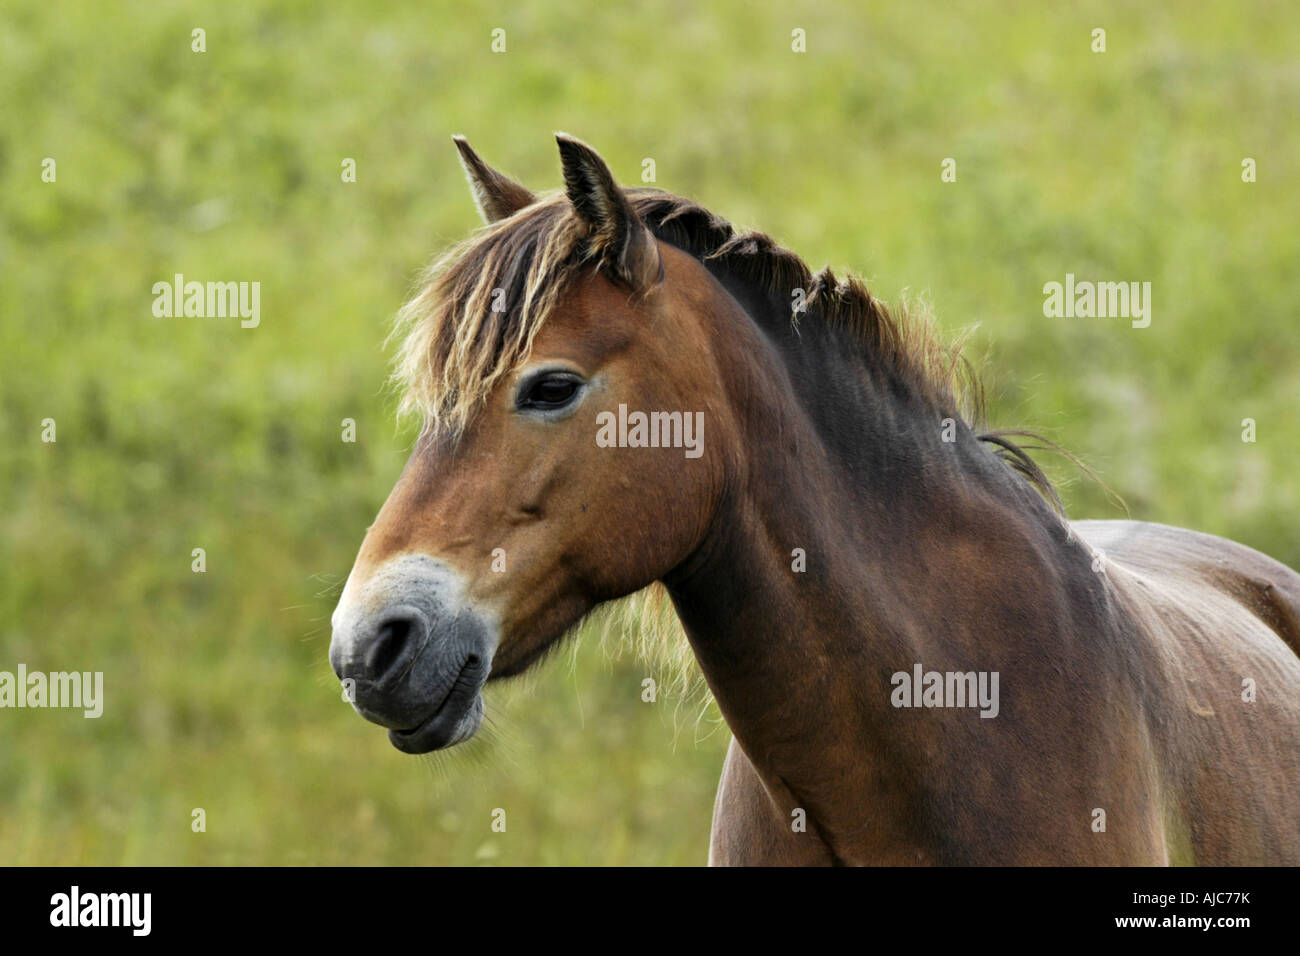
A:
(482, 303)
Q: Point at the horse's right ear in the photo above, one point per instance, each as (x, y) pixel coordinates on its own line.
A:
(496, 196)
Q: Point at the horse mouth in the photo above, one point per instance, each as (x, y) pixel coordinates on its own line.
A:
(456, 718)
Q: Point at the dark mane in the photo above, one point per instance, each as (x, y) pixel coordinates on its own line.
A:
(455, 346)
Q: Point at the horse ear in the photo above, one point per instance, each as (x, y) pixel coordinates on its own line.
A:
(629, 247)
(496, 196)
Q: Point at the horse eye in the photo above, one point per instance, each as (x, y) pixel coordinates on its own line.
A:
(549, 392)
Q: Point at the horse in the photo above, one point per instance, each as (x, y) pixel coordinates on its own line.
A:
(920, 658)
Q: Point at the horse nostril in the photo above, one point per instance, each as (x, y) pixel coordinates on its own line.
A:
(386, 649)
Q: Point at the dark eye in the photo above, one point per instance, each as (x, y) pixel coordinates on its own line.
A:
(549, 391)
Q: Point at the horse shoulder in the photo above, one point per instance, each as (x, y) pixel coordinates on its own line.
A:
(748, 828)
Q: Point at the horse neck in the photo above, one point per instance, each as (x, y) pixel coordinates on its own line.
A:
(910, 547)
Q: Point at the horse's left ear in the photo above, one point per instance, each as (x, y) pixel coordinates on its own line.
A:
(629, 249)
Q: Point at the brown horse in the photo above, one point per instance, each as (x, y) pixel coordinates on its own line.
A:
(920, 659)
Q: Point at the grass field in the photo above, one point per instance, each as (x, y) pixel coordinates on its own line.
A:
(183, 433)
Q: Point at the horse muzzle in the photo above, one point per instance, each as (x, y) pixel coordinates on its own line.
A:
(412, 654)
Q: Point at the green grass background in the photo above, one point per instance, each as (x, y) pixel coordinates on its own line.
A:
(182, 433)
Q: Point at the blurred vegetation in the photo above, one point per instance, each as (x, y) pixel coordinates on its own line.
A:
(182, 433)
